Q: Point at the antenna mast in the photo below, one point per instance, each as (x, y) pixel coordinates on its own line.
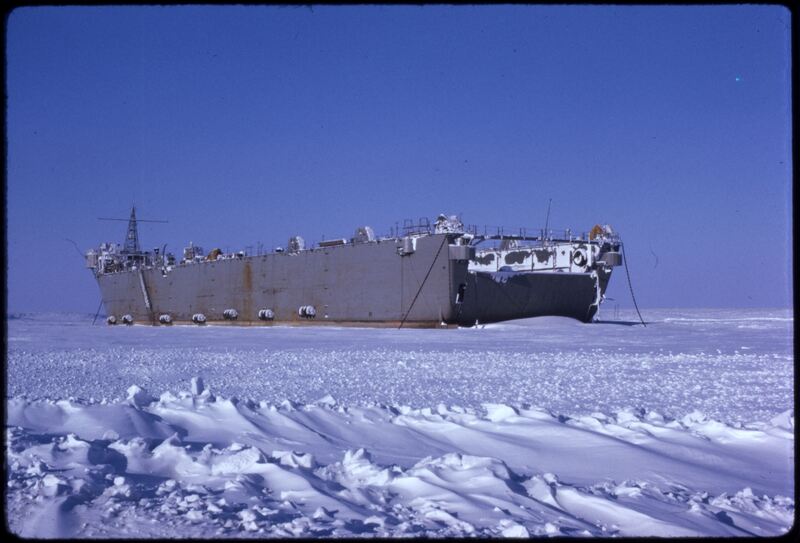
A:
(132, 237)
(547, 220)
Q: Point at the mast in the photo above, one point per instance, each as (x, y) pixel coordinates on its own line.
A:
(131, 246)
(547, 220)
(132, 237)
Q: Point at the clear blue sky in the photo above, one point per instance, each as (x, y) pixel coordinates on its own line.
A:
(242, 125)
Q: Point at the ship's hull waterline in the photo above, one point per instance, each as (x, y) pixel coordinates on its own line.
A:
(357, 284)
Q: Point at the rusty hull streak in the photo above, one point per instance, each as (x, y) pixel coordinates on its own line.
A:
(247, 287)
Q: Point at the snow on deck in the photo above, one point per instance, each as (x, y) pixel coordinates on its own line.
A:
(535, 427)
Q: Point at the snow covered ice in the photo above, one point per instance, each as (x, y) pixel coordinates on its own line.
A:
(538, 427)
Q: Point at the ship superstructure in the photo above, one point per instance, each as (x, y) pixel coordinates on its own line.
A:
(425, 275)
(552, 273)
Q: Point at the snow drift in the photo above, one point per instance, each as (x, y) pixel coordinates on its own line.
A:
(199, 465)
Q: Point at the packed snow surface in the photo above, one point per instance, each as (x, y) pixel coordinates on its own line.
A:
(537, 427)
(733, 365)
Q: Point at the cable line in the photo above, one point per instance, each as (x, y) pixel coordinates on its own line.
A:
(630, 287)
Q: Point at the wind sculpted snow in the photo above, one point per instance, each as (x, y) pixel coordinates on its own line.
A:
(106, 436)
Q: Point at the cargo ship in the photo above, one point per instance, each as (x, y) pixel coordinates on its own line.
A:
(439, 274)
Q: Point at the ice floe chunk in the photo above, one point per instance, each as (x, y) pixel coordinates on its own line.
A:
(139, 397)
(327, 400)
(784, 420)
(197, 386)
(512, 529)
(294, 460)
(499, 412)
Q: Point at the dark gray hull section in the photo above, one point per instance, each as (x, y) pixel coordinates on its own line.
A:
(500, 296)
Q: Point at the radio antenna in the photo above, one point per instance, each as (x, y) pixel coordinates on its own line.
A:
(547, 219)
(132, 235)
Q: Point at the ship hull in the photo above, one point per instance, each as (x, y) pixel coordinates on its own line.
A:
(500, 296)
(369, 284)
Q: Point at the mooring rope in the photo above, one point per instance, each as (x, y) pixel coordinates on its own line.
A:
(98, 311)
(76, 247)
(444, 240)
(630, 287)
